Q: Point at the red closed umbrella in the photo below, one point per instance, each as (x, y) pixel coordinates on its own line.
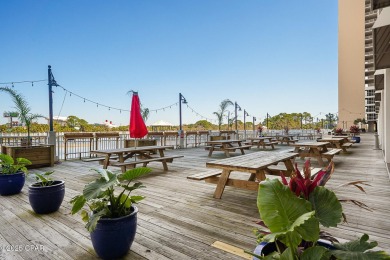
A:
(137, 127)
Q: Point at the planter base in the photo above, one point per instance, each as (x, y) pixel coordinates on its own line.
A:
(112, 238)
(45, 200)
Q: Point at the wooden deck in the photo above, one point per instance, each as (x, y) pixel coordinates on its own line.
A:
(180, 219)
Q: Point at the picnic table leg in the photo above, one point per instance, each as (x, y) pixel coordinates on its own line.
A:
(226, 151)
(317, 154)
(106, 161)
(121, 159)
(289, 166)
(211, 150)
(221, 184)
(164, 163)
(260, 176)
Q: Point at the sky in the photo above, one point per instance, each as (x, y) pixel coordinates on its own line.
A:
(272, 57)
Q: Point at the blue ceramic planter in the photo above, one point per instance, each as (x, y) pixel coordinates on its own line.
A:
(356, 138)
(11, 184)
(46, 199)
(112, 238)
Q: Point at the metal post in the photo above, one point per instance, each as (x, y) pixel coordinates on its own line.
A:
(244, 124)
(228, 119)
(180, 125)
(235, 114)
(50, 75)
(254, 128)
(181, 132)
(52, 134)
(267, 121)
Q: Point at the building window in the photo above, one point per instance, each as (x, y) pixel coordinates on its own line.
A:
(370, 92)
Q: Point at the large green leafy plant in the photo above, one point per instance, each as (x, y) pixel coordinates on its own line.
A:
(42, 179)
(293, 212)
(102, 200)
(10, 166)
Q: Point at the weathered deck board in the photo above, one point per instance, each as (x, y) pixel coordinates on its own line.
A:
(180, 219)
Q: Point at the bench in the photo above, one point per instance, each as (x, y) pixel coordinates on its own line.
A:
(347, 145)
(164, 160)
(330, 153)
(97, 159)
(204, 175)
(215, 147)
(272, 143)
(242, 147)
(288, 141)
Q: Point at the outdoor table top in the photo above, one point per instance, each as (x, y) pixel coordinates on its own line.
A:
(224, 141)
(334, 139)
(311, 144)
(126, 153)
(260, 138)
(251, 162)
(132, 149)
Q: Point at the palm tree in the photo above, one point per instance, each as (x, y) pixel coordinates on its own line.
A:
(23, 109)
(222, 109)
(145, 113)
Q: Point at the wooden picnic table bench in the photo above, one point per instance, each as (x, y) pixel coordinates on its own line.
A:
(226, 146)
(261, 141)
(316, 150)
(164, 160)
(339, 143)
(256, 164)
(288, 139)
(139, 154)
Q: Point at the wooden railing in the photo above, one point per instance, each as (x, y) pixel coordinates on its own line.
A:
(78, 145)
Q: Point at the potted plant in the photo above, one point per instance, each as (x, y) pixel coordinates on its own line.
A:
(293, 212)
(112, 217)
(46, 195)
(338, 131)
(354, 130)
(260, 129)
(12, 174)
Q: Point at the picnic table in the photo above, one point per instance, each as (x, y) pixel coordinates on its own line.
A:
(226, 146)
(257, 164)
(261, 141)
(140, 155)
(316, 150)
(340, 143)
(286, 139)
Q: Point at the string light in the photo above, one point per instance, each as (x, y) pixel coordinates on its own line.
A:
(21, 82)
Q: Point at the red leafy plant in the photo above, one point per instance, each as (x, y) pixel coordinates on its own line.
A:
(292, 211)
(354, 129)
(338, 130)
